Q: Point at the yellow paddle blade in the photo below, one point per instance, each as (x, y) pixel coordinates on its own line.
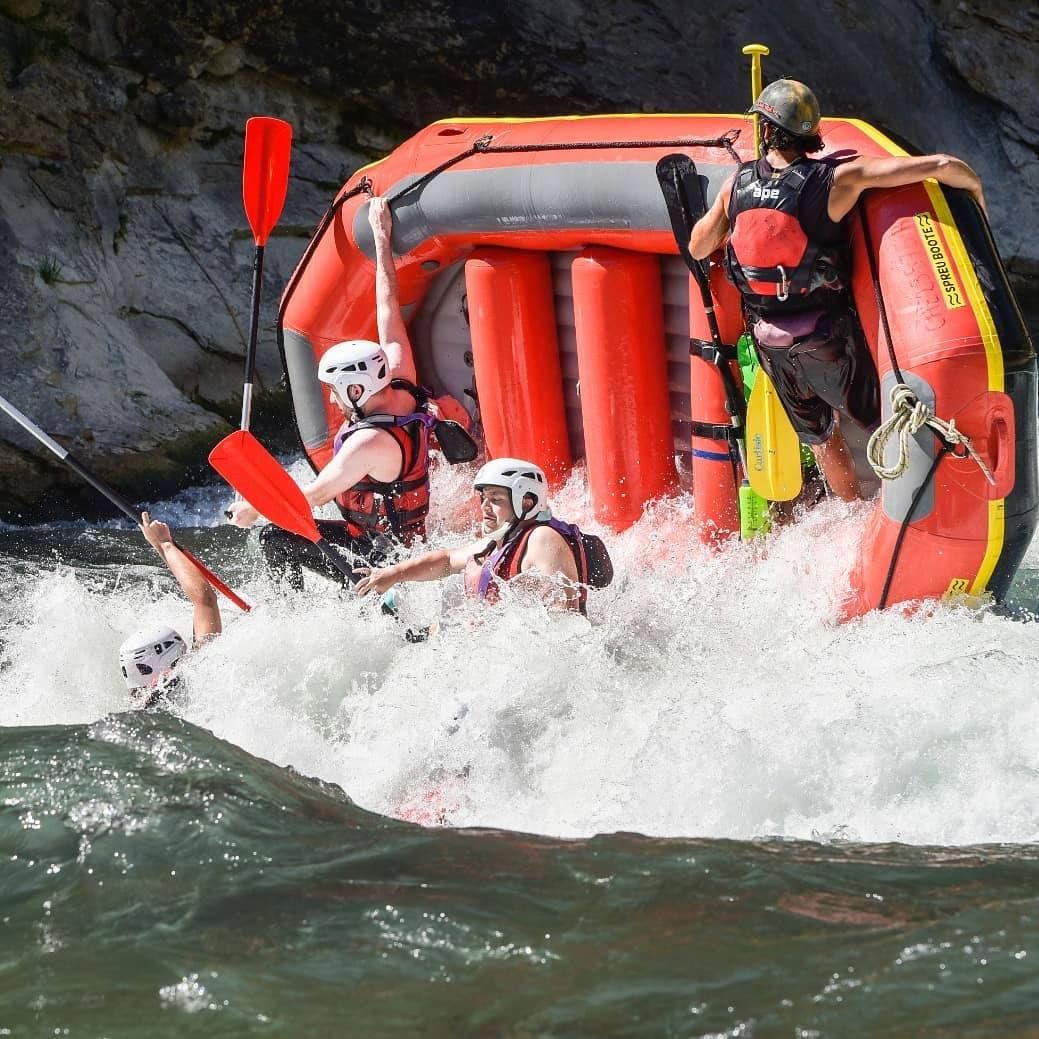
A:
(773, 450)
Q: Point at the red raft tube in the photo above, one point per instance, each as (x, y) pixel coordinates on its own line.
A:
(542, 287)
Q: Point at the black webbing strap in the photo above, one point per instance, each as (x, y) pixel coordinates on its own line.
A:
(704, 349)
(714, 431)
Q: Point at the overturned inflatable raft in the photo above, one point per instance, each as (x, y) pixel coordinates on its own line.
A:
(542, 287)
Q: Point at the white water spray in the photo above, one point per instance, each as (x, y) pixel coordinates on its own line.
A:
(711, 694)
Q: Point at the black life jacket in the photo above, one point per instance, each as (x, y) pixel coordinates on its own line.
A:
(770, 255)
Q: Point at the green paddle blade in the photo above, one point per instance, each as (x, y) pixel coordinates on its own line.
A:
(754, 515)
(773, 450)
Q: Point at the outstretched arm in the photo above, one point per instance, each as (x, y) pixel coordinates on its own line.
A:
(393, 332)
(429, 566)
(710, 230)
(857, 176)
(206, 615)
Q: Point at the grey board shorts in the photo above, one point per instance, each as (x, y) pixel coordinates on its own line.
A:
(820, 364)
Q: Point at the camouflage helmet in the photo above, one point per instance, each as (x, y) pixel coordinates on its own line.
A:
(791, 105)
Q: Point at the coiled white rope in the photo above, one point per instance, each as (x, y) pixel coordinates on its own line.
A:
(908, 416)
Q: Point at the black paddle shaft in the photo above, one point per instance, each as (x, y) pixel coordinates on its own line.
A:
(254, 318)
(683, 196)
(337, 561)
(95, 481)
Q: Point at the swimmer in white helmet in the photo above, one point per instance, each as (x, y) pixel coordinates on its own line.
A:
(147, 658)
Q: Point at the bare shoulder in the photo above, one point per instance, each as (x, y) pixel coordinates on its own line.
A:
(376, 450)
(850, 169)
(550, 552)
(363, 441)
(404, 401)
(721, 200)
(545, 536)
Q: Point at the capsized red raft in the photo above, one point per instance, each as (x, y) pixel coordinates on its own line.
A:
(542, 287)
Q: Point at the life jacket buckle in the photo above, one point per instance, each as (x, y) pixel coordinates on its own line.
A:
(784, 285)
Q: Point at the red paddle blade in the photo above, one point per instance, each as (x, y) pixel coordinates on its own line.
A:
(256, 475)
(265, 172)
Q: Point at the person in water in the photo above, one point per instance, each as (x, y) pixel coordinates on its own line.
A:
(784, 216)
(147, 658)
(379, 473)
(520, 541)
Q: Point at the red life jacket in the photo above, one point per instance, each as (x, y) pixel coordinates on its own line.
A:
(399, 507)
(506, 561)
(770, 255)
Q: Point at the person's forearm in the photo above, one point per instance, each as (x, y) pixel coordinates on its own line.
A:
(706, 237)
(320, 490)
(387, 305)
(188, 576)
(430, 566)
(957, 174)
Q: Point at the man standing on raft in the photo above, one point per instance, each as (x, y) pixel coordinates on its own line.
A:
(788, 255)
(521, 540)
(379, 473)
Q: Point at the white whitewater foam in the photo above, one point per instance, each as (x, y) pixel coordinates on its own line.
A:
(710, 695)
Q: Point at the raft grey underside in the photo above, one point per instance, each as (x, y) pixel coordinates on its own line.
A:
(619, 197)
(594, 196)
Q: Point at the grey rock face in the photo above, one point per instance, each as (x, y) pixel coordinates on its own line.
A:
(127, 256)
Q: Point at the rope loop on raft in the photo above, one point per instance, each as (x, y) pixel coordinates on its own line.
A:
(908, 416)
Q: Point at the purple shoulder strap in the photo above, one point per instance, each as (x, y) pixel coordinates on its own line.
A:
(428, 420)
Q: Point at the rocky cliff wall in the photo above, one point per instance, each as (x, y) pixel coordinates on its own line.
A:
(126, 254)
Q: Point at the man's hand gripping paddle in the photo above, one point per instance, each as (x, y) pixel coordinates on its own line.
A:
(265, 180)
(111, 494)
(683, 196)
(256, 475)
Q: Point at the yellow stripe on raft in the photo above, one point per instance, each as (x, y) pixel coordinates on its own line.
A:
(994, 363)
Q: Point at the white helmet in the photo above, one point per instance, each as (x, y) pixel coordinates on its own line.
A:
(521, 478)
(148, 654)
(355, 362)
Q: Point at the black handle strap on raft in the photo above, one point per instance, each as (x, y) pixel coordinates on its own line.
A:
(946, 449)
(709, 352)
(878, 295)
(720, 431)
(910, 512)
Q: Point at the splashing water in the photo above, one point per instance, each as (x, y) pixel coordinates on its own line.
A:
(710, 694)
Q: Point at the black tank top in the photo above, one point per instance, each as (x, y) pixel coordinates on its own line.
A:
(815, 197)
